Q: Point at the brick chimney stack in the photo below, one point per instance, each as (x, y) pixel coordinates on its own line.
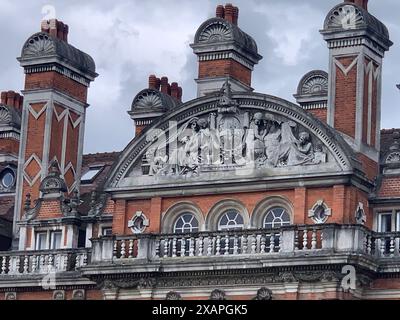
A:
(361, 3)
(162, 85)
(225, 53)
(229, 13)
(56, 29)
(53, 117)
(12, 99)
(356, 57)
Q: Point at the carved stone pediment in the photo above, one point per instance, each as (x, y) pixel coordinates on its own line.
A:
(231, 136)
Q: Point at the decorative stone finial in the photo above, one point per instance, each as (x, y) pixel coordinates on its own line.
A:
(53, 183)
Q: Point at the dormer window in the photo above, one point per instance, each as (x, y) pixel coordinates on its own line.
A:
(91, 174)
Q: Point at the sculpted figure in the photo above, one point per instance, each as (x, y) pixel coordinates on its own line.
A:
(272, 140)
(209, 144)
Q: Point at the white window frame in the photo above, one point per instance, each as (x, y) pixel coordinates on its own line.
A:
(49, 237)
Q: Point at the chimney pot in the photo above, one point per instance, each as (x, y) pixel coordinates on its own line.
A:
(229, 9)
(153, 82)
(4, 97)
(220, 12)
(180, 93)
(174, 90)
(361, 3)
(56, 29)
(235, 15)
(165, 85)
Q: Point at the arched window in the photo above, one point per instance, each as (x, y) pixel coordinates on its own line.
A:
(186, 223)
(276, 217)
(231, 220)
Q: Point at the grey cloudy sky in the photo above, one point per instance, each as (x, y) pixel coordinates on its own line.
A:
(130, 39)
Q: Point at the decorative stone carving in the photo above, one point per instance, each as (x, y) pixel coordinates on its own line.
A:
(320, 212)
(40, 44)
(10, 296)
(217, 295)
(172, 295)
(78, 294)
(5, 115)
(216, 32)
(53, 183)
(345, 17)
(141, 283)
(97, 205)
(148, 99)
(264, 294)
(59, 295)
(393, 157)
(229, 139)
(361, 217)
(138, 223)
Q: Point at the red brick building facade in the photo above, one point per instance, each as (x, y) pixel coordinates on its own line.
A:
(232, 195)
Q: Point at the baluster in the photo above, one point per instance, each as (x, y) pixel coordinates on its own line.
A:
(34, 263)
(369, 244)
(85, 258)
(262, 244)
(174, 247)
(42, 263)
(272, 243)
(77, 261)
(17, 264)
(226, 245)
(244, 244)
(3, 265)
(235, 244)
(396, 242)
(391, 246)
(158, 244)
(201, 246)
(209, 245)
(123, 252)
(115, 249)
(57, 262)
(382, 247)
(314, 239)
(280, 242)
(218, 246)
(183, 246)
(253, 244)
(305, 239)
(296, 240)
(130, 250)
(191, 247)
(50, 263)
(26, 265)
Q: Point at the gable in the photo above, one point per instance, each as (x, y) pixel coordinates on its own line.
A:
(228, 138)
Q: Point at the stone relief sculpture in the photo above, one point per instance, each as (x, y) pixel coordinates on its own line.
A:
(229, 138)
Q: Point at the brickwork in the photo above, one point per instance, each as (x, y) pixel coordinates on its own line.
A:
(225, 67)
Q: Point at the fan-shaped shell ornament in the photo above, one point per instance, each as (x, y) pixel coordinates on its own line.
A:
(346, 17)
(315, 85)
(394, 157)
(148, 100)
(39, 45)
(5, 116)
(217, 32)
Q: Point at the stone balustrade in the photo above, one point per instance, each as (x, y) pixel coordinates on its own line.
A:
(299, 240)
(42, 262)
(289, 241)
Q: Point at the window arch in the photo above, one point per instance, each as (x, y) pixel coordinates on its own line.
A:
(186, 223)
(276, 217)
(272, 212)
(227, 214)
(231, 220)
(177, 218)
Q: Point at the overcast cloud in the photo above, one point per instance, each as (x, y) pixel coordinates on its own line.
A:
(130, 39)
